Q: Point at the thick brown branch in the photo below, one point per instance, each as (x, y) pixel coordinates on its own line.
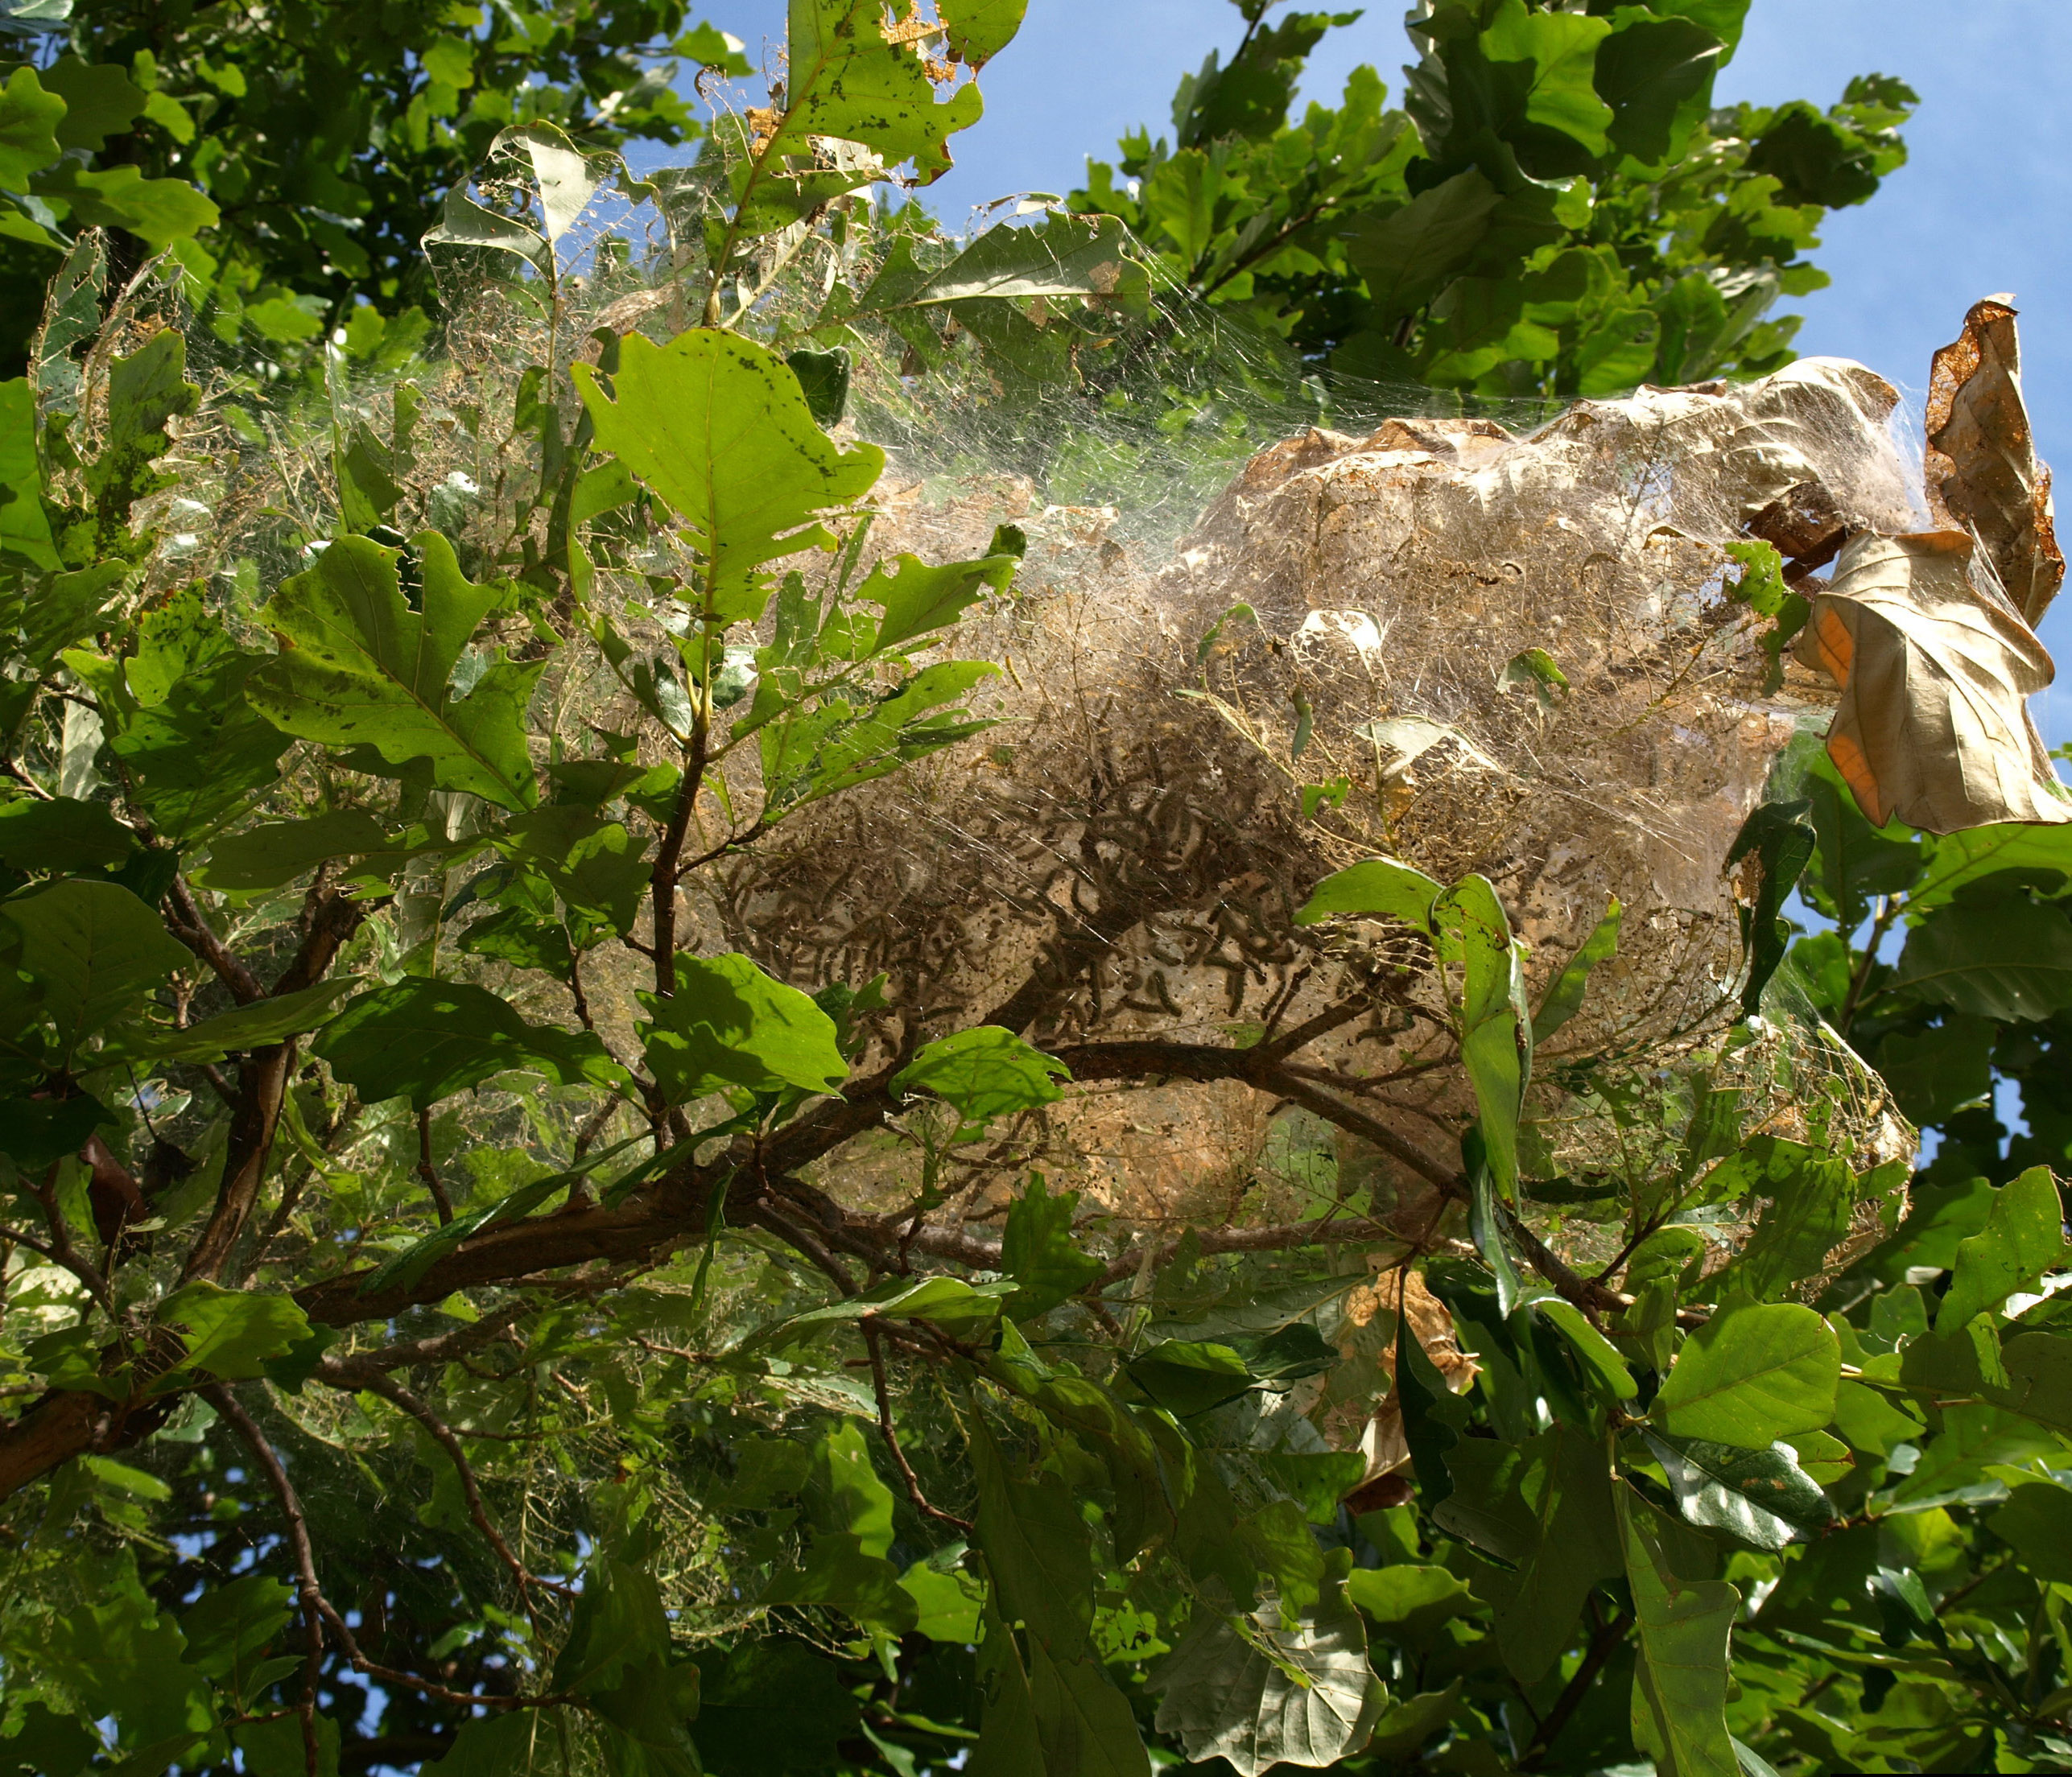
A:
(1259, 1068)
(51, 1433)
(359, 1369)
(330, 918)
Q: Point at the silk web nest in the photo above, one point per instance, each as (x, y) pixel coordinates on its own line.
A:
(1525, 651)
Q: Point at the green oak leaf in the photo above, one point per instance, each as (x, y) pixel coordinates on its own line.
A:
(1751, 1375)
(95, 949)
(231, 1333)
(1038, 1252)
(29, 116)
(61, 835)
(2036, 1521)
(2006, 957)
(358, 666)
(1564, 999)
(1495, 1029)
(2023, 1238)
(728, 1024)
(1380, 885)
(427, 1040)
(719, 428)
(1685, 1629)
(1560, 50)
(984, 1072)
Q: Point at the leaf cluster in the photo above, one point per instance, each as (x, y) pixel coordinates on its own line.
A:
(1556, 209)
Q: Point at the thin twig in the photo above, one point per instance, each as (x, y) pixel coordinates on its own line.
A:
(884, 1426)
(793, 1236)
(429, 1173)
(310, 1594)
(1889, 910)
(394, 1392)
(190, 926)
(1602, 1647)
(290, 1504)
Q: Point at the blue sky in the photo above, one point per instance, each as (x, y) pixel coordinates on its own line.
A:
(1982, 207)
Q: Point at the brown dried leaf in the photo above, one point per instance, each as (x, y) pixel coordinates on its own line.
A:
(1982, 472)
(1399, 1290)
(1935, 670)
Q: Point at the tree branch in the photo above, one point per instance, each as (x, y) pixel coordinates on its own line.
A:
(312, 1594)
(394, 1392)
(1603, 1645)
(871, 1330)
(190, 926)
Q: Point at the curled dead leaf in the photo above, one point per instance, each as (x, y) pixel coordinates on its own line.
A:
(1935, 666)
(1431, 1323)
(1981, 467)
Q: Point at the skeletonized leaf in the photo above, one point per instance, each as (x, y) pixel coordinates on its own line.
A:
(1065, 256)
(567, 179)
(849, 76)
(464, 223)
